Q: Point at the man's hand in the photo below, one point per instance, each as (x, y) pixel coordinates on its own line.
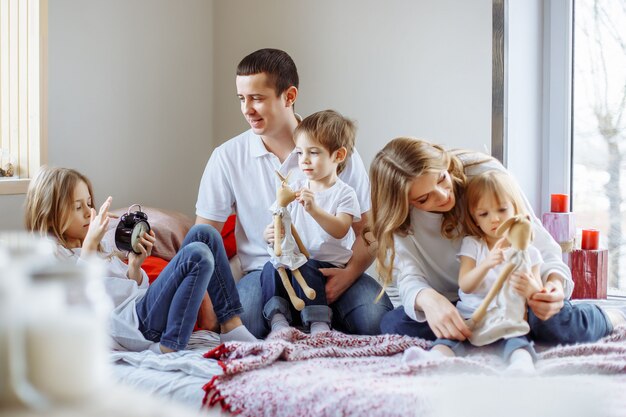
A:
(338, 280)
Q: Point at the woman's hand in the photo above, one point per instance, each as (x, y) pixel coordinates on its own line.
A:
(98, 224)
(525, 284)
(442, 316)
(135, 260)
(548, 301)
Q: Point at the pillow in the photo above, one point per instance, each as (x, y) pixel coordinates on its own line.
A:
(170, 228)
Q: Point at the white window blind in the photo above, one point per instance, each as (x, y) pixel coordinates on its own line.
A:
(21, 83)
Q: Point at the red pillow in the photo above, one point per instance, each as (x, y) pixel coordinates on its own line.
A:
(228, 235)
(153, 267)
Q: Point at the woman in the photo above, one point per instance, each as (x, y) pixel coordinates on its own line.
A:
(417, 188)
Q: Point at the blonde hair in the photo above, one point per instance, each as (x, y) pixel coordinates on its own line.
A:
(391, 173)
(49, 201)
(497, 184)
(331, 130)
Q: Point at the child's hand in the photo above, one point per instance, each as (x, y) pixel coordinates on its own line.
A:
(135, 260)
(98, 224)
(268, 233)
(496, 255)
(307, 199)
(525, 284)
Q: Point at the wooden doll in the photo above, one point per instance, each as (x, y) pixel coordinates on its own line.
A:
(288, 250)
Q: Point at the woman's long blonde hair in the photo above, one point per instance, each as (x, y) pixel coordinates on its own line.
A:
(497, 184)
(49, 201)
(392, 172)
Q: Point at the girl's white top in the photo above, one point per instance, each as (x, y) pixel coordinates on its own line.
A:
(426, 259)
(505, 314)
(124, 292)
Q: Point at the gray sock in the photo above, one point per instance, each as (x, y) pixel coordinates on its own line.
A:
(238, 334)
(318, 327)
(279, 322)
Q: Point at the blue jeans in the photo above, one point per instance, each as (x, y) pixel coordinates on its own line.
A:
(276, 299)
(169, 309)
(505, 346)
(354, 312)
(575, 323)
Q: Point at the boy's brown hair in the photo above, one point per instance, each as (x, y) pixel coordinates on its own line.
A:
(331, 130)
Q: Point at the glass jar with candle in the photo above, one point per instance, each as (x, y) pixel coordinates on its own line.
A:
(55, 321)
(67, 338)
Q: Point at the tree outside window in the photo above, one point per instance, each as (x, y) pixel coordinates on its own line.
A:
(599, 128)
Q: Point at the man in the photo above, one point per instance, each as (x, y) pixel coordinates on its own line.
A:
(240, 177)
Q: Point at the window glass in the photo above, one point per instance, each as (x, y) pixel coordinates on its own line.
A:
(599, 128)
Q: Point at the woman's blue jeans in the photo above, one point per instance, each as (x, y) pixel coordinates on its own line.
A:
(354, 312)
(575, 323)
(276, 299)
(169, 310)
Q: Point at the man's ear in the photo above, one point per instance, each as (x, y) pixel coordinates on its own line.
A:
(340, 154)
(290, 94)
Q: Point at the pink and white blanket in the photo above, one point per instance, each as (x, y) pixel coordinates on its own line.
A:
(334, 374)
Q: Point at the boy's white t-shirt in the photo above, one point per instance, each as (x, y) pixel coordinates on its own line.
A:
(476, 249)
(340, 198)
(240, 177)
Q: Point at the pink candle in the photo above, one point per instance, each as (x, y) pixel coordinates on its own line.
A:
(559, 203)
(590, 240)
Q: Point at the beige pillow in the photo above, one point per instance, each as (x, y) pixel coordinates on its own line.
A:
(170, 228)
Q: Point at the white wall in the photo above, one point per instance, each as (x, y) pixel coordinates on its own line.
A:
(141, 90)
(402, 67)
(130, 86)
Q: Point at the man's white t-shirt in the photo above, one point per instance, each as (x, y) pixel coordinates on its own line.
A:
(240, 177)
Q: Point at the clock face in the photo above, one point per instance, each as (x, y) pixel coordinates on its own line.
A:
(138, 231)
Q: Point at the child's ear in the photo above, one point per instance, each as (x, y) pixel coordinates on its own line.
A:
(340, 154)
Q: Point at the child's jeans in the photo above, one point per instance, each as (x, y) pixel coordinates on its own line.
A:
(505, 346)
(169, 309)
(276, 300)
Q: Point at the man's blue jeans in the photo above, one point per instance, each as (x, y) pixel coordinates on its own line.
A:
(276, 299)
(169, 309)
(575, 323)
(354, 312)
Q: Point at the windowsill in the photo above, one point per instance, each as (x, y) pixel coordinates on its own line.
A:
(13, 186)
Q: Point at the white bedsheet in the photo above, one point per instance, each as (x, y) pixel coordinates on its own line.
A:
(179, 376)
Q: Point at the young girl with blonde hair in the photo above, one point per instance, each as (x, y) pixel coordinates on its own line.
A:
(491, 199)
(160, 317)
(417, 212)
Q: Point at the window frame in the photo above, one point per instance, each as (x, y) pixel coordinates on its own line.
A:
(36, 147)
(557, 99)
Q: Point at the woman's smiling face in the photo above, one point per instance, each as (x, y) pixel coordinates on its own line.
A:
(432, 191)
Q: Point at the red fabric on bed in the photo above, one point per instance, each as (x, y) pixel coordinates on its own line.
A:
(153, 267)
(228, 235)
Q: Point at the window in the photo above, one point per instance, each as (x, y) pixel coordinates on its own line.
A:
(23, 31)
(599, 128)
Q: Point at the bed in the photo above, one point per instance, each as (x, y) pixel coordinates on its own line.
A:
(336, 374)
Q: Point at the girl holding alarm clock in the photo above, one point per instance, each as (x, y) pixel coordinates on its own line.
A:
(159, 317)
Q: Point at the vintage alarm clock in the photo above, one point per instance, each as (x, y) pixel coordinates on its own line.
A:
(130, 228)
